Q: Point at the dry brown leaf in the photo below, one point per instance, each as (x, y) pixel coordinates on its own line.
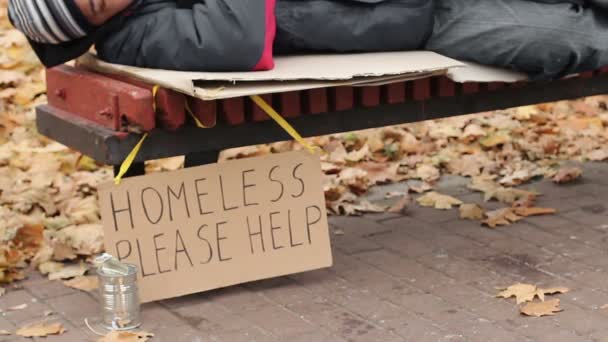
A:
(50, 267)
(567, 175)
(605, 306)
(539, 309)
(427, 173)
(498, 138)
(41, 329)
(421, 188)
(17, 307)
(501, 217)
(438, 201)
(551, 291)
(526, 212)
(86, 239)
(69, 272)
(598, 155)
(4, 333)
(471, 211)
(126, 336)
(83, 283)
(521, 292)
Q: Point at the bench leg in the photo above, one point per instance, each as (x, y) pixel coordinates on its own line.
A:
(136, 169)
(201, 158)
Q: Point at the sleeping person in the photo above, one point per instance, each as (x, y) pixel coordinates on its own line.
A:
(544, 38)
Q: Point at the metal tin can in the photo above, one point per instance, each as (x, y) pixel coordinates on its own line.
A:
(119, 298)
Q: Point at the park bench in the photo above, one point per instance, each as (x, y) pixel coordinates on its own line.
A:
(102, 116)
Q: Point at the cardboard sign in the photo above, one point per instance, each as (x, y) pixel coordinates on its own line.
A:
(217, 225)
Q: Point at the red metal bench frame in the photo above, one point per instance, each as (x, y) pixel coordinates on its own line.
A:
(96, 114)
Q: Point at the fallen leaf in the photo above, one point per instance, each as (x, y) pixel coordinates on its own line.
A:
(83, 283)
(69, 272)
(567, 175)
(421, 188)
(50, 267)
(498, 138)
(501, 217)
(338, 232)
(438, 201)
(521, 292)
(41, 330)
(400, 205)
(598, 155)
(126, 336)
(427, 173)
(525, 212)
(539, 309)
(4, 333)
(551, 291)
(86, 239)
(17, 307)
(605, 306)
(471, 211)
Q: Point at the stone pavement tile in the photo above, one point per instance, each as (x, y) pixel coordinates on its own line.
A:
(358, 226)
(368, 306)
(248, 335)
(535, 328)
(208, 317)
(481, 330)
(192, 299)
(498, 311)
(351, 244)
(44, 288)
(458, 269)
(432, 215)
(322, 283)
(583, 322)
(34, 310)
(278, 321)
(404, 268)
(283, 291)
(566, 267)
(72, 334)
(586, 217)
(587, 298)
(369, 333)
(473, 230)
(413, 328)
(167, 326)
(554, 223)
(8, 326)
(599, 336)
(405, 244)
(316, 336)
(237, 298)
(468, 297)
(372, 279)
(564, 336)
(592, 189)
(75, 307)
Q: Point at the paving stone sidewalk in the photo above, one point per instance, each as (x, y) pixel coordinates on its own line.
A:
(426, 276)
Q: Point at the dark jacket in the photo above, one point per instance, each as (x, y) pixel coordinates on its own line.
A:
(239, 35)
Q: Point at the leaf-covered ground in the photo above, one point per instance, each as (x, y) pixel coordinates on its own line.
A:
(48, 205)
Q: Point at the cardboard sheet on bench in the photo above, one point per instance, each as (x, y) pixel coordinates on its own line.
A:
(291, 73)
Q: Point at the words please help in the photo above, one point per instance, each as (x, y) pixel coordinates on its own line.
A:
(218, 225)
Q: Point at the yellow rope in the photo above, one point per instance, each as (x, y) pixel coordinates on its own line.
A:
(198, 122)
(283, 123)
(126, 164)
(124, 167)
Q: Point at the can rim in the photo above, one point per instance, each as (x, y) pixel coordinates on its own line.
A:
(132, 271)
